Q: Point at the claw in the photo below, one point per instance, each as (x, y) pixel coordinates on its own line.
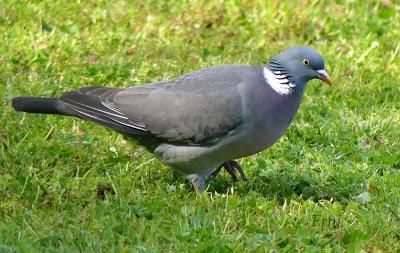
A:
(239, 168)
(232, 167)
(231, 170)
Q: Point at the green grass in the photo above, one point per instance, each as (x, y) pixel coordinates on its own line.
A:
(330, 184)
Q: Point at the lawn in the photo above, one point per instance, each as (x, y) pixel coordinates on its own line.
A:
(331, 184)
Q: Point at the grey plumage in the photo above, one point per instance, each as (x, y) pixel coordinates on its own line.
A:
(198, 121)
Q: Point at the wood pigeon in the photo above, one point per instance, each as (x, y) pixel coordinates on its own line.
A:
(201, 121)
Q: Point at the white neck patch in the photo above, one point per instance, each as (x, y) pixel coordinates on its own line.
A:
(278, 82)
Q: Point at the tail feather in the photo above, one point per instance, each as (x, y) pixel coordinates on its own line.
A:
(90, 103)
(40, 105)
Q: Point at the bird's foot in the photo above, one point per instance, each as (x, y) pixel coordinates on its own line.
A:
(232, 167)
(197, 181)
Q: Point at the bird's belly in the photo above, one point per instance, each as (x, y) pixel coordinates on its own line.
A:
(188, 159)
(194, 159)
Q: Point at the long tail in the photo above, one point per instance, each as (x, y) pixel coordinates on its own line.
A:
(40, 105)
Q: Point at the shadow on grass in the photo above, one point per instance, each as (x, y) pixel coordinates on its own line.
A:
(283, 185)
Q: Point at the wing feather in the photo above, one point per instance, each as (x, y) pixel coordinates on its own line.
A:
(199, 107)
(86, 103)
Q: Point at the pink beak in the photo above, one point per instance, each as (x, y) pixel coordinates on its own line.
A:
(323, 76)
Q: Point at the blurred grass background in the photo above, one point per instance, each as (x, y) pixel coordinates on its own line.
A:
(330, 184)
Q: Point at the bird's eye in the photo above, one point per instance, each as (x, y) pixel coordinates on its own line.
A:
(306, 61)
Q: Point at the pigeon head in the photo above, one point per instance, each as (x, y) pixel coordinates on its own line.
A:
(298, 65)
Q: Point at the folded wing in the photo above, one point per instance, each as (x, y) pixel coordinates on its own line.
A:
(199, 107)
